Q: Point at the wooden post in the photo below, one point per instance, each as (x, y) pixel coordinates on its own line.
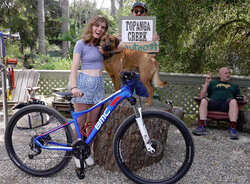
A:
(4, 83)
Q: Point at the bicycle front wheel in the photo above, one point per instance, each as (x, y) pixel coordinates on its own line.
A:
(28, 123)
(173, 144)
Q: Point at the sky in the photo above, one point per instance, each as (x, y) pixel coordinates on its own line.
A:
(106, 3)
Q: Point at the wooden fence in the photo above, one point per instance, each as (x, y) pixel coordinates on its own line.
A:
(180, 89)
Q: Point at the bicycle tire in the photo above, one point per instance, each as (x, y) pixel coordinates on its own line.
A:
(18, 141)
(171, 139)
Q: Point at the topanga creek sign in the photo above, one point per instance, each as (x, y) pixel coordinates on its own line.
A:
(138, 30)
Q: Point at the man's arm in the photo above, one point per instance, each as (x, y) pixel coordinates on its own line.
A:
(156, 37)
(204, 89)
(238, 93)
(120, 48)
(245, 98)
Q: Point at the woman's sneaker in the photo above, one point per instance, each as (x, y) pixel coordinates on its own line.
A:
(88, 162)
(77, 162)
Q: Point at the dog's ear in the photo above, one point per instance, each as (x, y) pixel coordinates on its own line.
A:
(98, 42)
(117, 41)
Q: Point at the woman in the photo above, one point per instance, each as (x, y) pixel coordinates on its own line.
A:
(89, 81)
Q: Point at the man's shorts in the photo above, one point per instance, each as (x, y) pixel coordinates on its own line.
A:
(92, 87)
(137, 85)
(218, 105)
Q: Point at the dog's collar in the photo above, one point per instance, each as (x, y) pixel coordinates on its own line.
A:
(108, 56)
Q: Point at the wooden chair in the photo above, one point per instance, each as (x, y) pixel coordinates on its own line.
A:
(216, 114)
(25, 82)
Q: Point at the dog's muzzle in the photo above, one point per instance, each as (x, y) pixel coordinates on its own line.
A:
(107, 47)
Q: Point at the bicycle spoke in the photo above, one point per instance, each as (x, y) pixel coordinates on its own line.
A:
(166, 138)
(24, 127)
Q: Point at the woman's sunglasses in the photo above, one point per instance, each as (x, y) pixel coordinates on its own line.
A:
(137, 11)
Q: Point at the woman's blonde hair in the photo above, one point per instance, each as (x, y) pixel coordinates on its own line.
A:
(87, 32)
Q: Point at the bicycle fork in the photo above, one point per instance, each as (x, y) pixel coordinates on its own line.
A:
(143, 130)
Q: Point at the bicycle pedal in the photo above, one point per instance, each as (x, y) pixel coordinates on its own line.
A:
(80, 174)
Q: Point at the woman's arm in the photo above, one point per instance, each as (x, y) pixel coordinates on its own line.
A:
(74, 73)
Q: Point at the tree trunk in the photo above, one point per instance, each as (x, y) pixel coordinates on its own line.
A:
(65, 25)
(103, 142)
(41, 29)
(113, 10)
(121, 4)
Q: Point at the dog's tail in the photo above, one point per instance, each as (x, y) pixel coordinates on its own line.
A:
(156, 78)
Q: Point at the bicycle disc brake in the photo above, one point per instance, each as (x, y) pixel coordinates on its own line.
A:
(157, 145)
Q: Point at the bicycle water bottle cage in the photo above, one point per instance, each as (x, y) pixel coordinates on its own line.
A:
(127, 76)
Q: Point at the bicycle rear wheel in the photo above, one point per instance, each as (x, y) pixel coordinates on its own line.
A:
(28, 123)
(169, 137)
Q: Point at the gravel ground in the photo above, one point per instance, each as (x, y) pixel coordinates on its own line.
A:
(217, 160)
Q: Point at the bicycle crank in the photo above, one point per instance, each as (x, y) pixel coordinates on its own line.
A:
(81, 151)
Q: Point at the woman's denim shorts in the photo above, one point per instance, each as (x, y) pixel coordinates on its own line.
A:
(92, 88)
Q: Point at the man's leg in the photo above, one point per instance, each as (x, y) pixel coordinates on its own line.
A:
(203, 109)
(233, 111)
(201, 130)
(131, 84)
(140, 89)
(233, 116)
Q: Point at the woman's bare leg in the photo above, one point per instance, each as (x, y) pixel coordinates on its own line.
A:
(82, 119)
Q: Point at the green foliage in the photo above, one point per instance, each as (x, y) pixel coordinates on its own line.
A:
(195, 36)
(201, 36)
(12, 49)
(51, 63)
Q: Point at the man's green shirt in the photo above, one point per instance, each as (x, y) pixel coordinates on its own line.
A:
(218, 90)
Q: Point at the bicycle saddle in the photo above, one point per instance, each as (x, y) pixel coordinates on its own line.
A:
(65, 95)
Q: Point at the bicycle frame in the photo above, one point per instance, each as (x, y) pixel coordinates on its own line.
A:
(115, 98)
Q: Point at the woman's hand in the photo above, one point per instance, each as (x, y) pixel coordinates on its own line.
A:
(100, 49)
(76, 92)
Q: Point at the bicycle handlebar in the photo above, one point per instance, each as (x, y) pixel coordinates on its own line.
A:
(127, 75)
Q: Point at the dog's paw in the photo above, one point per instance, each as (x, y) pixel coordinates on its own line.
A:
(148, 102)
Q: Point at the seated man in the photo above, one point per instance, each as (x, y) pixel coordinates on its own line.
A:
(219, 96)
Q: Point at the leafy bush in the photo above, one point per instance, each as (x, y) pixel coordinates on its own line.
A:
(42, 62)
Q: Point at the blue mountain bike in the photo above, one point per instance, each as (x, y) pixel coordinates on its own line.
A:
(157, 141)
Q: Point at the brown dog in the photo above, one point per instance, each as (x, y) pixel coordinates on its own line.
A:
(130, 60)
